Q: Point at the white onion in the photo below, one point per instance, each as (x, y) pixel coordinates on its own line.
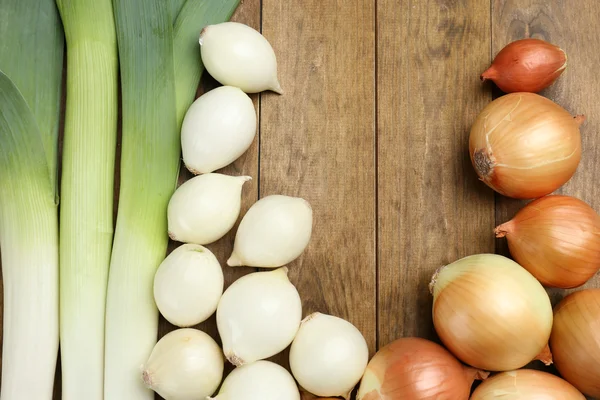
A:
(188, 285)
(185, 364)
(328, 356)
(274, 232)
(217, 129)
(260, 380)
(203, 209)
(238, 55)
(258, 316)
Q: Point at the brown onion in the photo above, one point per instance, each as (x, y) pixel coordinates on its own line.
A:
(416, 369)
(491, 313)
(526, 384)
(557, 239)
(526, 65)
(575, 340)
(525, 146)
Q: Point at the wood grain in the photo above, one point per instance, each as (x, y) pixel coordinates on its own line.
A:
(574, 27)
(432, 210)
(318, 142)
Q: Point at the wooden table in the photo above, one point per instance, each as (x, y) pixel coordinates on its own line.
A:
(372, 130)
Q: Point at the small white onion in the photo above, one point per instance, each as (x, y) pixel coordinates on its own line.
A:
(203, 209)
(260, 380)
(188, 285)
(328, 356)
(258, 316)
(274, 232)
(185, 364)
(238, 55)
(217, 129)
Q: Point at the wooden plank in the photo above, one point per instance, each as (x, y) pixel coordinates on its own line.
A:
(432, 209)
(574, 27)
(318, 142)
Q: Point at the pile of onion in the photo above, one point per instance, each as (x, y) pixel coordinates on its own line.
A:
(416, 369)
(526, 384)
(525, 146)
(557, 239)
(491, 313)
(575, 340)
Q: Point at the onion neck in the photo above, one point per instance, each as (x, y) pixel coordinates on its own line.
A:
(545, 356)
(504, 229)
(488, 74)
(474, 374)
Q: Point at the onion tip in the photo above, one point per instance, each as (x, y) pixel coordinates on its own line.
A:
(488, 74)
(192, 170)
(147, 378)
(545, 356)
(434, 279)
(235, 359)
(234, 261)
(580, 119)
(276, 87)
(502, 230)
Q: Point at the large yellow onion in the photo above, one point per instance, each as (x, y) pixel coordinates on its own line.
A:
(416, 369)
(525, 146)
(526, 384)
(557, 239)
(491, 313)
(575, 340)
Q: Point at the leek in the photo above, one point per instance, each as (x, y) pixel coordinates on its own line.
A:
(149, 165)
(195, 15)
(160, 71)
(86, 216)
(31, 54)
(29, 242)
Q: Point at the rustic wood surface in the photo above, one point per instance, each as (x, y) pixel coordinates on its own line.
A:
(372, 130)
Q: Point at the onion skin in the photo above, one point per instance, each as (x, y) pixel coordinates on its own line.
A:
(525, 146)
(526, 65)
(557, 239)
(526, 384)
(491, 313)
(575, 340)
(416, 369)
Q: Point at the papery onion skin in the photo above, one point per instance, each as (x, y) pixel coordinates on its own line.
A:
(526, 65)
(416, 369)
(525, 146)
(258, 316)
(491, 313)
(575, 340)
(260, 380)
(557, 239)
(526, 384)
(328, 356)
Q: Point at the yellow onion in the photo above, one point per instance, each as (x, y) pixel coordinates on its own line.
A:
(416, 369)
(526, 384)
(491, 313)
(525, 146)
(557, 239)
(575, 340)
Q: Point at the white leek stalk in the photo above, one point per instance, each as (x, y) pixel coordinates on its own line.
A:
(86, 217)
(29, 242)
(29, 114)
(151, 67)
